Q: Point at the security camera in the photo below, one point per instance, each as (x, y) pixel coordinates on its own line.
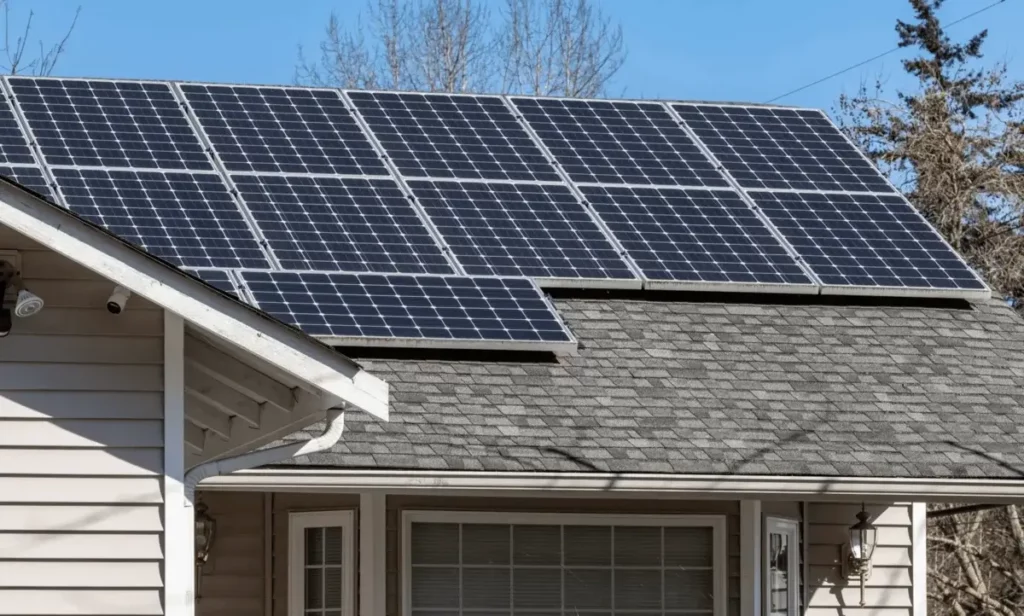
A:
(118, 299)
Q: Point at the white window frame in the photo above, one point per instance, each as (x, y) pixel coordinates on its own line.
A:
(790, 528)
(717, 523)
(298, 522)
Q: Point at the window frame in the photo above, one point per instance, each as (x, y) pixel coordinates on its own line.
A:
(790, 527)
(717, 523)
(298, 522)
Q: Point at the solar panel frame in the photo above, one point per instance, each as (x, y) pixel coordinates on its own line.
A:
(566, 341)
(218, 278)
(197, 161)
(21, 143)
(21, 174)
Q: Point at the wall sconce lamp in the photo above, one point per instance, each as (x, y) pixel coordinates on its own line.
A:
(855, 556)
(205, 533)
(14, 297)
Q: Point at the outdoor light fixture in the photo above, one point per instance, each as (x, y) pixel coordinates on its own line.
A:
(206, 528)
(856, 555)
(15, 299)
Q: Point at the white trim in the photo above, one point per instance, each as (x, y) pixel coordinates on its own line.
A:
(791, 528)
(720, 559)
(919, 557)
(638, 485)
(805, 536)
(202, 307)
(297, 524)
(179, 526)
(372, 554)
(750, 563)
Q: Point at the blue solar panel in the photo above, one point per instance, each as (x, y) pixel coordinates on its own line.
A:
(188, 219)
(535, 230)
(441, 310)
(341, 224)
(109, 123)
(453, 136)
(14, 148)
(866, 240)
(618, 142)
(694, 236)
(287, 130)
(216, 277)
(29, 177)
(800, 149)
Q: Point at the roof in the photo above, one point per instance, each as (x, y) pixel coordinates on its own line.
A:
(716, 387)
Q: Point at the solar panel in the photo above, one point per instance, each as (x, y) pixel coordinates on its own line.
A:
(13, 144)
(866, 241)
(287, 130)
(29, 177)
(341, 224)
(216, 277)
(695, 236)
(535, 230)
(454, 311)
(618, 142)
(764, 147)
(453, 136)
(188, 219)
(135, 124)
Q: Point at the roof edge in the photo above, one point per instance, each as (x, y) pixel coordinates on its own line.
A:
(623, 485)
(203, 306)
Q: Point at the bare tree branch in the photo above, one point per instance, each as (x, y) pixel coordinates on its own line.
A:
(15, 61)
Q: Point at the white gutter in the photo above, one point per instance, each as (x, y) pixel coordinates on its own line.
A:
(621, 485)
(330, 436)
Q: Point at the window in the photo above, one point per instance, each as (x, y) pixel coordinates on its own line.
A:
(496, 564)
(320, 564)
(781, 567)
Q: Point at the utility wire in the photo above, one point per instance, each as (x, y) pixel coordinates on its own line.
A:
(879, 56)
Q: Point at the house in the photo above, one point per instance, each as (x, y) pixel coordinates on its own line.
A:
(709, 449)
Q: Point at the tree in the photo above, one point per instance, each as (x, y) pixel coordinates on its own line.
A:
(955, 144)
(17, 58)
(543, 47)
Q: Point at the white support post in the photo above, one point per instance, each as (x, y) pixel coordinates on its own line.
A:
(919, 562)
(750, 558)
(179, 525)
(372, 553)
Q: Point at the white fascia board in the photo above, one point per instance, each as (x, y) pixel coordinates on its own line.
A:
(625, 485)
(204, 308)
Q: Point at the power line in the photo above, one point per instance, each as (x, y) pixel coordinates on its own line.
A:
(879, 56)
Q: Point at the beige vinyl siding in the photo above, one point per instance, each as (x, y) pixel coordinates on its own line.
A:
(396, 504)
(81, 451)
(888, 591)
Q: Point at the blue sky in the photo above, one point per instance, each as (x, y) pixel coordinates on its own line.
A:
(746, 50)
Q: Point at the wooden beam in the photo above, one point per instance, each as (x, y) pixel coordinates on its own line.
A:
(229, 370)
(208, 389)
(203, 415)
(195, 437)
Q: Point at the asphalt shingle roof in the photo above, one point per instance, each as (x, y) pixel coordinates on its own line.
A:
(720, 388)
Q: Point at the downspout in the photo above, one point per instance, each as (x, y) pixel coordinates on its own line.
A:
(330, 437)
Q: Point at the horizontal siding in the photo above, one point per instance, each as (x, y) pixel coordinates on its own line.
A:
(233, 577)
(81, 438)
(888, 592)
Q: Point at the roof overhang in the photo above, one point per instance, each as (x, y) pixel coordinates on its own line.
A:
(341, 381)
(593, 485)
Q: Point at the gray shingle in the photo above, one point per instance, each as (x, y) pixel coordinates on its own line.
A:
(686, 387)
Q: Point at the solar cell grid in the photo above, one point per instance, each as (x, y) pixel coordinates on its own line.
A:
(771, 148)
(866, 240)
(453, 136)
(188, 219)
(357, 308)
(341, 224)
(216, 277)
(533, 230)
(618, 142)
(13, 143)
(109, 123)
(287, 130)
(697, 236)
(29, 177)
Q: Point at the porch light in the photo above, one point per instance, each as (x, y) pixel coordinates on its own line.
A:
(205, 533)
(858, 551)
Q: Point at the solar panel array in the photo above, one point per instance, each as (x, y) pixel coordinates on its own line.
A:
(432, 218)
